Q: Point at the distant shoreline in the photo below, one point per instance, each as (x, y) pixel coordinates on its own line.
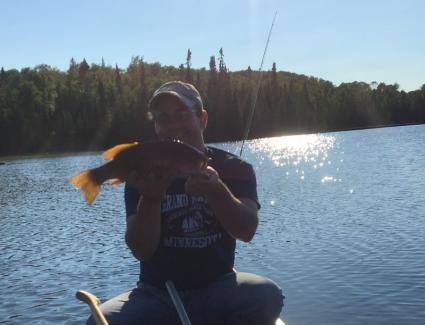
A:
(372, 127)
(65, 153)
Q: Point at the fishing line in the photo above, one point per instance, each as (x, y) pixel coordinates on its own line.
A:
(255, 94)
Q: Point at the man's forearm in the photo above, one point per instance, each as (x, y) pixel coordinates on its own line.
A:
(238, 218)
(144, 229)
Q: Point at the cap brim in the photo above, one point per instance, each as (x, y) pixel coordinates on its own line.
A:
(154, 101)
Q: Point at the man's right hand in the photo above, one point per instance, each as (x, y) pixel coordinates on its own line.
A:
(144, 227)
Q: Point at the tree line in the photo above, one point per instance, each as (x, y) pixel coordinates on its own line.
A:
(93, 107)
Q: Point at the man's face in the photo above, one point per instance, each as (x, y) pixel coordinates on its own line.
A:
(175, 121)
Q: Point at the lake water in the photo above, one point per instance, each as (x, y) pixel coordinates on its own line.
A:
(342, 231)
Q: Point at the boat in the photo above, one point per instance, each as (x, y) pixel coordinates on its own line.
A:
(100, 319)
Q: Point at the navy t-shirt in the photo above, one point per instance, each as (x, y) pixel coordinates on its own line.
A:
(194, 249)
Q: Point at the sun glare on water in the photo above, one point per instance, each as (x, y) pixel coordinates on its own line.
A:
(304, 158)
(292, 150)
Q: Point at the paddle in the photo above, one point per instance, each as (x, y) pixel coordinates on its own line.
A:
(93, 303)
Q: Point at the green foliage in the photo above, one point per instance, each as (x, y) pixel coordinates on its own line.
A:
(92, 107)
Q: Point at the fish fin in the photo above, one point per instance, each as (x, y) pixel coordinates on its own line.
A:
(86, 182)
(112, 152)
(115, 181)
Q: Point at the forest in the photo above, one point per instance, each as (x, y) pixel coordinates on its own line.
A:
(95, 106)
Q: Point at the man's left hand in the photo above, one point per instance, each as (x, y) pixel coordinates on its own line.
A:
(203, 183)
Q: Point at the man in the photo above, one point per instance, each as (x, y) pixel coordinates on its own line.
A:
(184, 228)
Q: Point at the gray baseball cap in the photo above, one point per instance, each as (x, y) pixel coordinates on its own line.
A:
(186, 93)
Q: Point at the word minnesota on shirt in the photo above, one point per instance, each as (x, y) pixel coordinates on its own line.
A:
(185, 242)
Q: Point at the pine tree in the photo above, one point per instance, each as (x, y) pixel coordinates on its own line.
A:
(213, 71)
(83, 69)
(118, 81)
(189, 77)
(73, 69)
(274, 83)
(181, 72)
(221, 64)
(2, 74)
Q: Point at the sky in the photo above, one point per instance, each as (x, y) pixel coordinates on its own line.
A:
(339, 41)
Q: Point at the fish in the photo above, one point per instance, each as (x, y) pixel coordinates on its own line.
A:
(138, 157)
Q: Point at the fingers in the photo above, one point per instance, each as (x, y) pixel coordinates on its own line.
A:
(212, 173)
(202, 183)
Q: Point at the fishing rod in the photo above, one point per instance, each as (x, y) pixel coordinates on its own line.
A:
(255, 94)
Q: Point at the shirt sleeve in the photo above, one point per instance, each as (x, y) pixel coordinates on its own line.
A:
(241, 180)
(131, 197)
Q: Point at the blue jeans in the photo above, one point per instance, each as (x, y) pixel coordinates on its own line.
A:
(234, 298)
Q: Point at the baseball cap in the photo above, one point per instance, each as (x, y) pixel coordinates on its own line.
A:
(186, 93)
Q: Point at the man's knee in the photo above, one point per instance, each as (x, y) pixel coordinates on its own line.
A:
(270, 295)
(262, 304)
(263, 288)
(263, 299)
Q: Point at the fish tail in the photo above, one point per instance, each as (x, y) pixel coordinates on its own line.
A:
(89, 183)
